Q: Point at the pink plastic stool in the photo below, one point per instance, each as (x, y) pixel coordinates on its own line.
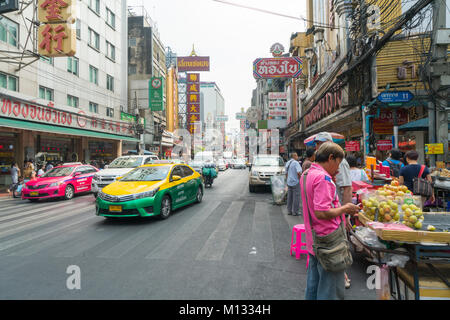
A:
(297, 246)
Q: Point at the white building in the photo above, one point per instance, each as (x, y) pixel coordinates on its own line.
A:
(90, 87)
(212, 104)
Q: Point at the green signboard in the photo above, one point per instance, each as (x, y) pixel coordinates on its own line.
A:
(127, 117)
(155, 88)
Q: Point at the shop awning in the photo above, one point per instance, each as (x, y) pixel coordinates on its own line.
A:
(33, 126)
(418, 125)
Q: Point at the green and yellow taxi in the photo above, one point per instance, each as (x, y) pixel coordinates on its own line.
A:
(150, 190)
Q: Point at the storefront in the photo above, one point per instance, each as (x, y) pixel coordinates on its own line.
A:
(166, 144)
(43, 133)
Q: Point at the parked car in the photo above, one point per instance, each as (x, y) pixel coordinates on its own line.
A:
(264, 167)
(150, 190)
(60, 182)
(117, 168)
(197, 165)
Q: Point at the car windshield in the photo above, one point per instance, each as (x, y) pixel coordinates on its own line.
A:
(268, 162)
(126, 162)
(147, 174)
(58, 172)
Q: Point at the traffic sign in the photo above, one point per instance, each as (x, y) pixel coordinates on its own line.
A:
(395, 96)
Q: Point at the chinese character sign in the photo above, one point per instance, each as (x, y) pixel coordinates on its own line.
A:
(56, 37)
(193, 100)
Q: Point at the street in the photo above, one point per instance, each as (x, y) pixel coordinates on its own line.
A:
(233, 245)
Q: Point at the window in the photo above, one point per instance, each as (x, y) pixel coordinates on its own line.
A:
(95, 5)
(78, 26)
(94, 39)
(132, 42)
(187, 171)
(110, 112)
(132, 69)
(9, 31)
(176, 172)
(93, 107)
(110, 51)
(110, 83)
(93, 74)
(8, 82)
(110, 18)
(72, 65)
(72, 101)
(46, 93)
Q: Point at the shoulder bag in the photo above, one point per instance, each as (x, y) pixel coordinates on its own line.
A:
(332, 250)
(422, 186)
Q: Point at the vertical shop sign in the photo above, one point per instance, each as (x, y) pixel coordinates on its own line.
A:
(193, 101)
(156, 94)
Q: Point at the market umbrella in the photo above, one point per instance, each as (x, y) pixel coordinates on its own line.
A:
(337, 138)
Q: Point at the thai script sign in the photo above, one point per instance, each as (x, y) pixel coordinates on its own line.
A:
(156, 94)
(330, 103)
(352, 146)
(286, 67)
(189, 64)
(384, 124)
(384, 145)
(51, 116)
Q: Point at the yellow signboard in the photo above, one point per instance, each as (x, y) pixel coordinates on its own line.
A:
(51, 11)
(434, 148)
(57, 40)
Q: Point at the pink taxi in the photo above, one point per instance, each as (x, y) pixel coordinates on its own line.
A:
(64, 181)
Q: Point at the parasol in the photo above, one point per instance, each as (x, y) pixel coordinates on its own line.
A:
(337, 138)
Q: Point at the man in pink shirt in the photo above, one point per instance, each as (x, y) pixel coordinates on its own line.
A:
(326, 213)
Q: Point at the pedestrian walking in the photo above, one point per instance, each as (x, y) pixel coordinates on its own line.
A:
(309, 159)
(324, 215)
(29, 168)
(15, 174)
(394, 162)
(293, 173)
(41, 170)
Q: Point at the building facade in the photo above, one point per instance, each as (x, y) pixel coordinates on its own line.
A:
(64, 108)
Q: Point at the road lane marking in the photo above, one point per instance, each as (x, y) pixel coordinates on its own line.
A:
(262, 240)
(217, 243)
(41, 222)
(168, 248)
(41, 233)
(27, 212)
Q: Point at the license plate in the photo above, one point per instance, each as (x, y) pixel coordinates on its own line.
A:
(115, 208)
(33, 194)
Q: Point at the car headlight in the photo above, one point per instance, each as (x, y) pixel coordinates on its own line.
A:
(56, 184)
(283, 171)
(254, 173)
(147, 194)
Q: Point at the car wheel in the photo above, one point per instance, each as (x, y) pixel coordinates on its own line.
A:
(69, 192)
(251, 188)
(166, 207)
(199, 195)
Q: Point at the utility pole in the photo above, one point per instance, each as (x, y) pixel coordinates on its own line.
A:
(140, 127)
(438, 71)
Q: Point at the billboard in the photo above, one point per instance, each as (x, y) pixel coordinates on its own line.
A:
(286, 67)
(192, 63)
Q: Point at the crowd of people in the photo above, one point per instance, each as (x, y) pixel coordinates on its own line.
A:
(320, 189)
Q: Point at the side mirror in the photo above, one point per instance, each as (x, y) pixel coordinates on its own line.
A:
(176, 178)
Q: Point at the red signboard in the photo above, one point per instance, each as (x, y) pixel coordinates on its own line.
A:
(352, 146)
(384, 124)
(286, 67)
(188, 64)
(384, 145)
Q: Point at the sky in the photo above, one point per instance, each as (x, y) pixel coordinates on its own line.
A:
(232, 37)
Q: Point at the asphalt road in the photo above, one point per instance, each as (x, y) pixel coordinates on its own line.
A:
(233, 245)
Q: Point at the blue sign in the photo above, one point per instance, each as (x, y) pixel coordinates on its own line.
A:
(395, 96)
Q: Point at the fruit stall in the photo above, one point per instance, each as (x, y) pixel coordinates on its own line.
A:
(411, 245)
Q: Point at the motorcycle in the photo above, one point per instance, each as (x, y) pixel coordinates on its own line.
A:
(209, 173)
(16, 189)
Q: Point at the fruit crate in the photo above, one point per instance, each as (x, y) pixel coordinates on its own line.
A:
(441, 220)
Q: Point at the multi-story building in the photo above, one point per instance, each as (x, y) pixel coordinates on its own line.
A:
(142, 66)
(212, 104)
(68, 107)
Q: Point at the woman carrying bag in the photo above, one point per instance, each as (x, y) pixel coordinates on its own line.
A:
(324, 218)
